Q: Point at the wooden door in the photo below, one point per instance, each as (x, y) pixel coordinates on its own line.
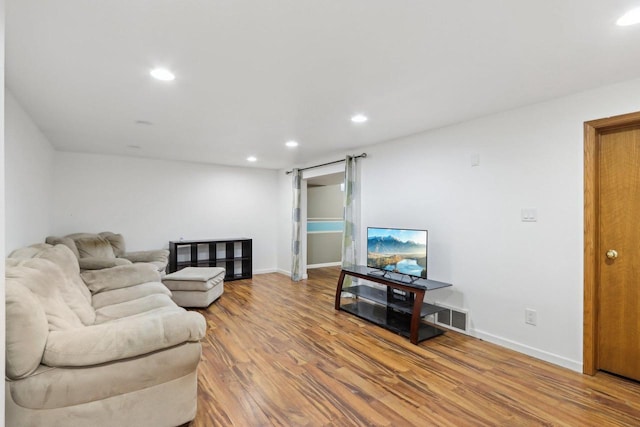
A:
(618, 293)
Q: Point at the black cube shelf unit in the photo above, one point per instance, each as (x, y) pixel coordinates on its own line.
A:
(235, 256)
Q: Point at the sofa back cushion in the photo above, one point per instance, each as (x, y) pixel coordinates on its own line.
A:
(94, 246)
(117, 242)
(44, 279)
(29, 251)
(68, 242)
(72, 289)
(121, 276)
(27, 330)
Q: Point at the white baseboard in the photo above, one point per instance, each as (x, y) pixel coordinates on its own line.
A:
(574, 365)
(288, 273)
(326, 264)
(266, 271)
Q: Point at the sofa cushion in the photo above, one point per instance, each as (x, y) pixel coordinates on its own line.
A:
(94, 247)
(134, 307)
(26, 330)
(29, 251)
(122, 339)
(60, 387)
(73, 289)
(118, 277)
(44, 279)
(175, 283)
(121, 295)
(116, 241)
(68, 242)
(92, 263)
(158, 257)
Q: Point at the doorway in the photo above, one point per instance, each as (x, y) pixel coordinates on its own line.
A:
(318, 176)
(612, 246)
(325, 207)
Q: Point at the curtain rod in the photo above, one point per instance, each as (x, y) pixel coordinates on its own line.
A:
(363, 155)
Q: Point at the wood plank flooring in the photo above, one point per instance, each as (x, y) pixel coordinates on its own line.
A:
(278, 354)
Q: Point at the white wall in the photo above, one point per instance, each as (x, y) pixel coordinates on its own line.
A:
(28, 178)
(530, 157)
(325, 201)
(2, 210)
(151, 202)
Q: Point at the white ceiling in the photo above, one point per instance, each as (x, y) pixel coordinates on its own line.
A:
(251, 75)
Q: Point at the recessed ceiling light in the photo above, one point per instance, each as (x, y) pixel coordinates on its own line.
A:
(252, 159)
(359, 118)
(630, 18)
(162, 74)
(291, 144)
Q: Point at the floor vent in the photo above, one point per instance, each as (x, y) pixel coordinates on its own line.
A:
(453, 318)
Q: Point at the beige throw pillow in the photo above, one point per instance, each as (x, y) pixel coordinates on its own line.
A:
(94, 247)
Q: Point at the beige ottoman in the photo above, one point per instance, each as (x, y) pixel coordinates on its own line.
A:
(195, 286)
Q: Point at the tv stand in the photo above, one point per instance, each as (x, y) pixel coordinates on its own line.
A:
(389, 275)
(399, 308)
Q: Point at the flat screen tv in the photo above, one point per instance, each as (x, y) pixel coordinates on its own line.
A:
(395, 250)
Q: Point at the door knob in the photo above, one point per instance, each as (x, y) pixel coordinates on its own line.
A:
(612, 254)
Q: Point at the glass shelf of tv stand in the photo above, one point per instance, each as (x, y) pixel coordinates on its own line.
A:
(379, 276)
(399, 302)
(396, 321)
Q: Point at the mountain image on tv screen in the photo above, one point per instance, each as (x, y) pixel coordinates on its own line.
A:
(397, 250)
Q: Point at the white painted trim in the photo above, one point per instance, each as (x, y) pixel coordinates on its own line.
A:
(326, 264)
(323, 170)
(325, 219)
(265, 271)
(324, 232)
(305, 276)
(574, 365)
(285, 272)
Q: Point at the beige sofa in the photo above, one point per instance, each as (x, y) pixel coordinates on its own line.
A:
(105, 348)
(106, 249)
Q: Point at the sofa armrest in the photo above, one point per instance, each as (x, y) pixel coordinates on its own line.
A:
(160, 255)
(93, 263)
(122, 339)
(118, 277)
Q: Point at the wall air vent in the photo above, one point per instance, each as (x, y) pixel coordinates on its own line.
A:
(453, 318)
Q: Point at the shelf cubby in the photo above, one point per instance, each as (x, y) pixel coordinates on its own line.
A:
(234, 255)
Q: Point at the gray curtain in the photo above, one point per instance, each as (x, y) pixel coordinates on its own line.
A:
(296, 246)
(351, 215)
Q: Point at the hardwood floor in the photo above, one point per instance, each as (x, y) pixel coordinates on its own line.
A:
(277, 353)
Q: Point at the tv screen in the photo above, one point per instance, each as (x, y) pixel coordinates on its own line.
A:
(397, 250)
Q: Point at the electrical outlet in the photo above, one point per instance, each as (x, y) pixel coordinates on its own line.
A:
(530, 316)
(529, 214)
